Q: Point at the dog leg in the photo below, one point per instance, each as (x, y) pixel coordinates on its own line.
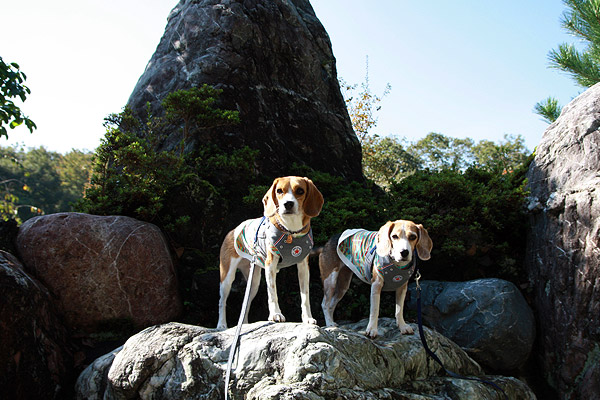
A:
(225, 288)
(329, 301)
(376, 287)
(335, 287)
(303, 280)
(405, 329)
(275, 314)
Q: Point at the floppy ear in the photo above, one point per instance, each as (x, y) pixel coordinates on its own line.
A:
(313, 202)
(425, 244)
(384, 243)
(270, 200)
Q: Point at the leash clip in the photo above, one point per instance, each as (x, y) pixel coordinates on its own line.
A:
(417, 277)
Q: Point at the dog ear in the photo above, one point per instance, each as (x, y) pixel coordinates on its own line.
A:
(270, 200)
(313, 202)
(384, 243)
(425, 244)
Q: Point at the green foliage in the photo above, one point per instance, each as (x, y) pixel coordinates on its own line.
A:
(548, 109)
(390, 159)
(475, 218)
(197, 107)
(500, 157)
(38, 181)
(11, 86)
(437, 151)
(132, 177)
(347, 205)
(387, 160)
(581, 19)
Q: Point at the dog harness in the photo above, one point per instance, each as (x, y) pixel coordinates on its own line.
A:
(357, 249)
(291, 250)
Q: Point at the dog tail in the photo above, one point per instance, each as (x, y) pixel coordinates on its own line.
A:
(316, 251)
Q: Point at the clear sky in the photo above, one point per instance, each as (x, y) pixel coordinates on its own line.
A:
(463, 68)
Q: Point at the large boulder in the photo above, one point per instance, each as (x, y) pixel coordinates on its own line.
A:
(563, 260)
(489, 318)
(102, 269)
(285, 361)
(35, 360)
(274, 62)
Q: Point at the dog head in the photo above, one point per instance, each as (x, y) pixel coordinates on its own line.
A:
(293, 195)
(399, 239)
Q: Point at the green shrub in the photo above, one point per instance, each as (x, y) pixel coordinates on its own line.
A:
(186, 195)
(475, 218)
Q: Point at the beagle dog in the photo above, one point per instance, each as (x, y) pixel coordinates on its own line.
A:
(281, 238)
(385, 259)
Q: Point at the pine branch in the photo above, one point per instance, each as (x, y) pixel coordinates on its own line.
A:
(582, 66)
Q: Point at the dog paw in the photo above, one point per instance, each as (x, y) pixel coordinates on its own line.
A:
(222, 327)
(311, 321)
(371, 332)
(406, 329)
(277, 317)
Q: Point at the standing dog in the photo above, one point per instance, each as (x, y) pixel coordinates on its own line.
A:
(383, 259)
(282, 237)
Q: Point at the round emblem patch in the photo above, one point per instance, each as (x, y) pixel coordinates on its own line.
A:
(397, 278)
(296, 251)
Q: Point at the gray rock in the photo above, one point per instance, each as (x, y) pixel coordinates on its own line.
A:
(274, 62)
(488, 318)
(285, 361)
(563, 258)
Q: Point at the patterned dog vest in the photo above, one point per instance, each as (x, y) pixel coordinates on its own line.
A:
(270, 237)
(357, 249)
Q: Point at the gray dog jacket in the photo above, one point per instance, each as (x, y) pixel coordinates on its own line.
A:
(248, 243)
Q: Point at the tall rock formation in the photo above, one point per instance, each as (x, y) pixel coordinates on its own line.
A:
(563, 256)
(274, 62)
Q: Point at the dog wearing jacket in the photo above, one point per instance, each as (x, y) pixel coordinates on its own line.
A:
(385, 259)
(281, 238)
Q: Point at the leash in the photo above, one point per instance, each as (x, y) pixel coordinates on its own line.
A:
(432, 354)
(235, 344)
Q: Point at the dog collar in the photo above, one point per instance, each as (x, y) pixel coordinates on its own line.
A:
(282, 228)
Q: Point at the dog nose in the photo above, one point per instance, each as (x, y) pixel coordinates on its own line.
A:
(288, 205)
(404, 253)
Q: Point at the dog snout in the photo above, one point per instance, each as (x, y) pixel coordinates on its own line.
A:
(288, 205)
(404, 253)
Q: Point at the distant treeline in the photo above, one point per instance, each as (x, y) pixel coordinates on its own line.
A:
(37, 181)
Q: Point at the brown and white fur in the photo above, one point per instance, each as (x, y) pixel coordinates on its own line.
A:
(291, 202)
(397, 239)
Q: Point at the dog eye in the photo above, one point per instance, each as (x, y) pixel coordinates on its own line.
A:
(412, 236)
(299, 191)
(279, 191)
(395, 237)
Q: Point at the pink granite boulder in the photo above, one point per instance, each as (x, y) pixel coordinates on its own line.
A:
(100, 268)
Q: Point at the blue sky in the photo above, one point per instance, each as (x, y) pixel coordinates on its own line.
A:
(461, 68)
